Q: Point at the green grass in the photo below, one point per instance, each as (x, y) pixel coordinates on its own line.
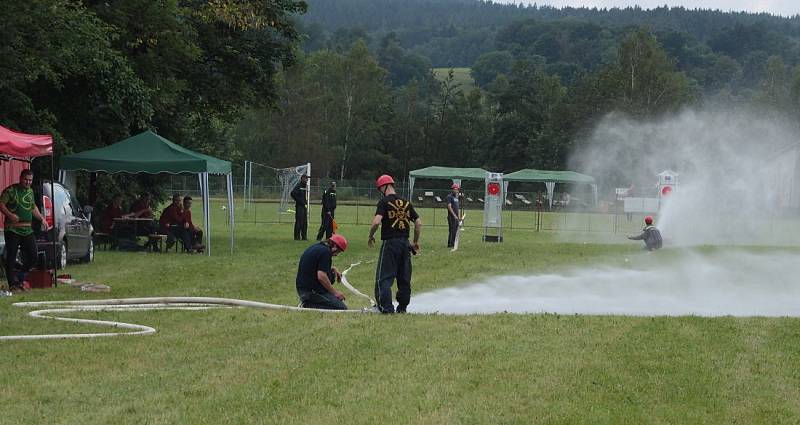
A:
(250, 366)
(460, 75)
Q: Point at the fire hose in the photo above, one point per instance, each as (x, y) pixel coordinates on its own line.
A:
(53, 310)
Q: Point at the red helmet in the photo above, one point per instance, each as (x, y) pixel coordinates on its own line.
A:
(456, 186)
(648, 220)
(339, 241)
(384, 180)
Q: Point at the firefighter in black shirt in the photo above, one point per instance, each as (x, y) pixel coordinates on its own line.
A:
(300, 209)
(394, 215)
(328, 212)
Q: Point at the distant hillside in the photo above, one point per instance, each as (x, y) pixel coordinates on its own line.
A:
(455, 32)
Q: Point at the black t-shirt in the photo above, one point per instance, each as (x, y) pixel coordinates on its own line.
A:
(398, 217)
(454, 202)
(329, 200)
(315, 258)
(299, 195)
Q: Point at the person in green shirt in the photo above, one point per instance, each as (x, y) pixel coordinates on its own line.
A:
(18, 206)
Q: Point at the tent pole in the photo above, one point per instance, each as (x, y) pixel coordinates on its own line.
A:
(207, 215)
(244, 187)
(230, 209)
(250, 185)
(53, 212)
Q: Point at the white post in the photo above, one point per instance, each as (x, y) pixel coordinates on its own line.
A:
(244, 187)
(207, 215)
(230, 209)
(308, 194)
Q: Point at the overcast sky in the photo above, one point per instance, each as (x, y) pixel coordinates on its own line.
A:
(777, 7)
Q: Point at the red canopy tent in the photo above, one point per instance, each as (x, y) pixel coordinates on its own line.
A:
(24, 146)
(17, 150)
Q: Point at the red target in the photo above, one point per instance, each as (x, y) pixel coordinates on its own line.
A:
(493, 188)
(666, 190)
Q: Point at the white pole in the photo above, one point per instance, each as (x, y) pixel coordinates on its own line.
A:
(250, 184)
(308, 194)
(230, 209)
(207, 215)
(244, 187)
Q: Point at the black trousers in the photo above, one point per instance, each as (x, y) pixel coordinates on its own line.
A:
(322, 301)
(452, 230)
(300, 223)
(189, 237)
(13, 243)
(394, 262)
(325, 225)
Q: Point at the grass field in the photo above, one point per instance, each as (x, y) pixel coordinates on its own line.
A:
(461, 76)
(241, 366)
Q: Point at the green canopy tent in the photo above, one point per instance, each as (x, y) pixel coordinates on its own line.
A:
(150, 153)
(445, 173)
(550, 178)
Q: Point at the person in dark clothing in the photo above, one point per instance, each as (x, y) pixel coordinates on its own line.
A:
(112, 211)
(315, 275)
(191, 235)
(18, 206)
(300, 209)
(171, 221)
(142, 208)
(650, 235)
(453, 215)
(394, 215)
(328, 212)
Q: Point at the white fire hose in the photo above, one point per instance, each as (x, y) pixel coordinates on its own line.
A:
(53, 309)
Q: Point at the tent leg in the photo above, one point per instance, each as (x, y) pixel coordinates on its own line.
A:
(231, 216)
(207, 215)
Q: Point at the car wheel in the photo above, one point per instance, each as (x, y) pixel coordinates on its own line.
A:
(89, 257)
(62, 257)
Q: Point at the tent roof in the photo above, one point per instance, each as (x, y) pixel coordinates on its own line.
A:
(145, 153)
(21, 145)
(531, 175)
(450, 173)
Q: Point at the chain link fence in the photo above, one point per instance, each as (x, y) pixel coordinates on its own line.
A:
(356, 202)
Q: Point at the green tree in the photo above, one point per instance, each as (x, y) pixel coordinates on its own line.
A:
(649, 82)
(490, 65)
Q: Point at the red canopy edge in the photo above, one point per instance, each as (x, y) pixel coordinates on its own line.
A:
(21, 145)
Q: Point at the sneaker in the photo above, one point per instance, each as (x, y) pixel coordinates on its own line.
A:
(4, 293)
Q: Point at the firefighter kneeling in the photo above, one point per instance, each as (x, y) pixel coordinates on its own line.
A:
(315, 275)
(650, 235)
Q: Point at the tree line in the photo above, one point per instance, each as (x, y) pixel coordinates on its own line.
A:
(358, 107)
(93, 72)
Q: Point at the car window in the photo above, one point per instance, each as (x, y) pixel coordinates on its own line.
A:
(63, 201)
(76, 207)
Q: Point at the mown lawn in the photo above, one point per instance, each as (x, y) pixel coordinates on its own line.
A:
(238, 366)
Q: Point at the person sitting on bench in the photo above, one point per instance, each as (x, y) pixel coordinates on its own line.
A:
(171, 220)
(192, 236)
